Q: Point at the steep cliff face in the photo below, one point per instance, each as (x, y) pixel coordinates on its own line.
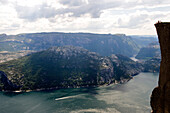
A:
(160, 99)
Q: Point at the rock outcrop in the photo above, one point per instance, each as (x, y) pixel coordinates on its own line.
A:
(160, 99)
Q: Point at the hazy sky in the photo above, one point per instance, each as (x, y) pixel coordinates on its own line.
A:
(131, 17)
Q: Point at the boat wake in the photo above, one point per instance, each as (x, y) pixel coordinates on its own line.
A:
(68, 97)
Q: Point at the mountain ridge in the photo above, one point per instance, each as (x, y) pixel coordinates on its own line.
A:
(152, 50)
(104, 44)
(63, 67)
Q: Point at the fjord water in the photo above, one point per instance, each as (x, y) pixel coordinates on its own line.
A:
(131, 97)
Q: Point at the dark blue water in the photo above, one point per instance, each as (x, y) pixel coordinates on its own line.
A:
(132, 97)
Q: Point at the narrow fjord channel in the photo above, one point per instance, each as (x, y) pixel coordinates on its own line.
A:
(131, 97)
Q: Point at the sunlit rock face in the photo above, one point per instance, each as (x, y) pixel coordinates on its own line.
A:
(160, 99)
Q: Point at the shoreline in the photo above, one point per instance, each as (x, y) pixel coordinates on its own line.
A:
(69, 87)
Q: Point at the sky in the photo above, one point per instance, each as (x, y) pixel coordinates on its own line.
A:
(131, 17)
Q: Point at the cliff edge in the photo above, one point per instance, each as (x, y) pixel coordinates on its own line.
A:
(160, 98)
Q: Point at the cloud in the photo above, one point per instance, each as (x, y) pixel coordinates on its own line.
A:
(35, 12)
(96, 7)
(80, 8)
(133, 22)
(3, 1)
(102, 16)
(15, 25)
(72, 2)
(91, 7)
(73, 7)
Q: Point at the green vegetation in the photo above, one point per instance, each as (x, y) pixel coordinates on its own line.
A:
(63, 67)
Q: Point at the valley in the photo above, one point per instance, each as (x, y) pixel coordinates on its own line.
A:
(63, 67)
(32, 62)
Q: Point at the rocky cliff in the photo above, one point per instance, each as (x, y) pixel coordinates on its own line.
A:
(160, 99)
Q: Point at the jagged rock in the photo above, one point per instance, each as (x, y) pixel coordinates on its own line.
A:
(160, 99)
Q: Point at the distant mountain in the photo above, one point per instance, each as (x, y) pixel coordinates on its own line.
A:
(150, 51)
(152, 65)
(104, 44)
(63, 67)
(144, 40)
